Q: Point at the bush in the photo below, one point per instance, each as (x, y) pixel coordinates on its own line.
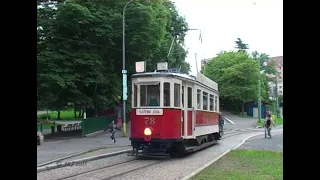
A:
(44, 116)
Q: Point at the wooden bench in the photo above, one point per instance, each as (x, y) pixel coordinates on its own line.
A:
(72, 127)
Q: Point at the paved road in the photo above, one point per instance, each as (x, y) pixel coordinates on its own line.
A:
(240, 123)
(261, 143)
(172, 169)
(57, 149)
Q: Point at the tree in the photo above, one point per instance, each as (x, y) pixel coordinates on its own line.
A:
(268, 67)
(80, 49)
(237, 76)
(241, 46)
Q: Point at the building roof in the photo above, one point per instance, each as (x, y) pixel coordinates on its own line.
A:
(278, 60)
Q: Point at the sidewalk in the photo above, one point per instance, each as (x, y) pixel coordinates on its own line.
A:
(261, 143)
(57, 149)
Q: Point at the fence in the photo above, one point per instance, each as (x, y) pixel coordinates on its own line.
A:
(91, 125)
(39, 127)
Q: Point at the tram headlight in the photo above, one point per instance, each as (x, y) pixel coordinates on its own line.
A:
(147, 132)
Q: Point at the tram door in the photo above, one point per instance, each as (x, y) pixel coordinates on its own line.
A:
(184, 115)
(187, 111)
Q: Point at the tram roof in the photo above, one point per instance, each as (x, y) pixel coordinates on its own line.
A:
(199, 79)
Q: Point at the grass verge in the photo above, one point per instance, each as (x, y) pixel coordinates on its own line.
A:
(64, 115)
(245, 164)
(278, 121)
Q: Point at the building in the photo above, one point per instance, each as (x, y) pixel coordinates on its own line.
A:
(279, 67)
(204, 62)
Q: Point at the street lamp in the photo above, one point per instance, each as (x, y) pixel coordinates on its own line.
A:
(276, 96)
(259, 91)
(124, 71)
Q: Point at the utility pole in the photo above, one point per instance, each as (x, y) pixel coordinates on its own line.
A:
(259, 93)
(124, 71)
(277, 99)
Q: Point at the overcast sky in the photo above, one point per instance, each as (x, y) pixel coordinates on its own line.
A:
(223, 21)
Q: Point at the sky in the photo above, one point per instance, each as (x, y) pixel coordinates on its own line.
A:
(259, 23)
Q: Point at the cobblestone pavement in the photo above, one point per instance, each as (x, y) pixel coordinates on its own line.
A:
(57, 149)
(173, 169)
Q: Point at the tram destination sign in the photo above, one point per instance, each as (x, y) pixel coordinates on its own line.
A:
(156, 112)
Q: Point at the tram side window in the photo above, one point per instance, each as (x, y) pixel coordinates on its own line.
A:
(176, 95)
(211, 102)
(215, 103)
(182, 96)
(150, 95)
(189, 97)
(135, 97)
(198, 99)
(166, 94)
(205, 101)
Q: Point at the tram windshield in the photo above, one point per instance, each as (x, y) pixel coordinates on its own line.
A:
(150, 94)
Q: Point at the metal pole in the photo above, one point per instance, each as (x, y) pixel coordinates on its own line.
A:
(277, 101)
(259, 96)
(124, 71)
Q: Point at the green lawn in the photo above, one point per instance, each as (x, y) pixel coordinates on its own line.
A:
(64, 115)
(244, 165)
(278, 121)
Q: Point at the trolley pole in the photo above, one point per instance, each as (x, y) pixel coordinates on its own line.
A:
(124, 71)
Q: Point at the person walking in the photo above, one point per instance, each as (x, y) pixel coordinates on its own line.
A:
(267, 125)
(113, 128)
(221, 124)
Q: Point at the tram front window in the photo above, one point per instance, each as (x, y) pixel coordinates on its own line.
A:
(150, 95)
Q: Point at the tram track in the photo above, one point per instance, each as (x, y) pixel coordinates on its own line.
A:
(114, 170)
(236, 132)
(118, 169)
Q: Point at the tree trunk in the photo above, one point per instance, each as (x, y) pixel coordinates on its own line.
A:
(58, 117)
(75, 111)
(242, 109)
(82, 113)
(79, 115)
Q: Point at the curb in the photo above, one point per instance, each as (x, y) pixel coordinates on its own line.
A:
(70, 156)
(87, 159)
(217, 158)
(74, 155)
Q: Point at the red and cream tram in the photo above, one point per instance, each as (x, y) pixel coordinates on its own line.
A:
(173, 113)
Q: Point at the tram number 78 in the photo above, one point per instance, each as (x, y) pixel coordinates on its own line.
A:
(149, 121)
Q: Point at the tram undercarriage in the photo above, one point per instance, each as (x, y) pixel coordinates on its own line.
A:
(163, 148)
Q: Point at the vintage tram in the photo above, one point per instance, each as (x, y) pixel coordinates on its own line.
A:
(173, 113)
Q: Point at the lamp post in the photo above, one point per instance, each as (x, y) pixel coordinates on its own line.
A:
(276, 96)
(124, 71)
(259, 94)
(259, 91)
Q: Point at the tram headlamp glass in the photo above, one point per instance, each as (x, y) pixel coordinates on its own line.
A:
(147, 131)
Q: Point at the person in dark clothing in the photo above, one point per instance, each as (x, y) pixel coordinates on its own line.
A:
(113, 128)
(267, 124)
(221, 124)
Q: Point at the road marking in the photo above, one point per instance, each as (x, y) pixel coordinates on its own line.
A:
(229, 120)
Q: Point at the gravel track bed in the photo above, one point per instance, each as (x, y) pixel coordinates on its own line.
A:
(168, 170)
